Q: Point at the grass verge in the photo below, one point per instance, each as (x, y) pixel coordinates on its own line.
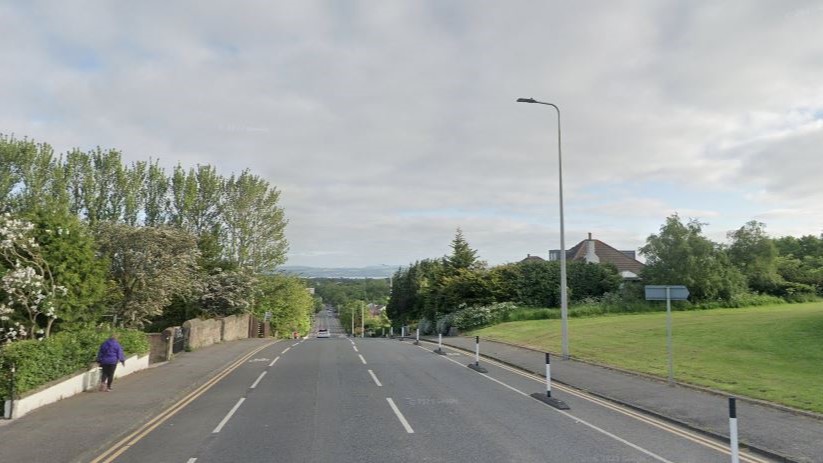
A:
(772, 353)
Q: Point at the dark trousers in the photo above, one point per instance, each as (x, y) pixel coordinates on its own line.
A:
(108, 374)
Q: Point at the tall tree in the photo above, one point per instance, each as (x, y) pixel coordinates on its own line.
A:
(463, 257)
(254, 223)
(755, 255)
(149, 267)
(680, 254)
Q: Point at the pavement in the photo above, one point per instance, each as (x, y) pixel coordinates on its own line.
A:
(79, 427)
(778, 432)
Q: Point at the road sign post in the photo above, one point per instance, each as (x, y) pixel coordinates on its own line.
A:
(668, 293)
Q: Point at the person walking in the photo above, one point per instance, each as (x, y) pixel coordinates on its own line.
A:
(108, 355)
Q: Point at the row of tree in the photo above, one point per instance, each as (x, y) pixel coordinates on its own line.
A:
(236, 218)
(751, 263)
(434, 287)
(85, 238)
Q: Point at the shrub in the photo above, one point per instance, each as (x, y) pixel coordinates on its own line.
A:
(426, 326)
(444, 323)
(39, 362)
(474, 317)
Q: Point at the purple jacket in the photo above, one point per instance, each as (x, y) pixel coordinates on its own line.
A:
(110, 353)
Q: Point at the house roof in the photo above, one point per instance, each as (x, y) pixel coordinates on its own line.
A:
(606, 254)
(531, 258)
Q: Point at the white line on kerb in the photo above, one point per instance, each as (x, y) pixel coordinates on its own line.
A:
(295, 344)
(274, 361)
(254, 385)
(362, 359)
(400, 416)
(374, 377)
(355, 348)
(228, 416)
(286, 350)
(191, 460)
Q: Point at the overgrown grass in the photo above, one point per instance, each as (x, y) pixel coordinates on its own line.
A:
(770, 352)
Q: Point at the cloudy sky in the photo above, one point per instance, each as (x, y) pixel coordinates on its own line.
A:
(388, 124)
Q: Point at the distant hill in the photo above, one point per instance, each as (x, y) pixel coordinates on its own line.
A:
(373, 271)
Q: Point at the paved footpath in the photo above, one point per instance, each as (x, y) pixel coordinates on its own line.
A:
(79, 428)
(781, 433)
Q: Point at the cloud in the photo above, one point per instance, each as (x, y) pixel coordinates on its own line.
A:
(386, 125)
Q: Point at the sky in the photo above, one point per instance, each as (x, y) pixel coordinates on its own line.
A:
(386, 125)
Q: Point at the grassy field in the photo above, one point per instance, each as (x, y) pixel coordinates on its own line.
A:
(773, 353)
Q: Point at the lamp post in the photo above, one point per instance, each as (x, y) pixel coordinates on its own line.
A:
(564, 298)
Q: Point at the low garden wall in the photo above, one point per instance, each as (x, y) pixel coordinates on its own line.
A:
(68, 387)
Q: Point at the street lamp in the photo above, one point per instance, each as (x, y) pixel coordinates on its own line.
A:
(564, 298)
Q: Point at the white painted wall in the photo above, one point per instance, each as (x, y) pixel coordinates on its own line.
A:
(71, 386)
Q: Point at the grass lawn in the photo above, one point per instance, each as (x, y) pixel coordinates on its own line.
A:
(773, 353)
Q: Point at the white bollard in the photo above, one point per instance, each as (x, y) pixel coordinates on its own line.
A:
(733, 429)
(547, 397)
(439, 341)
(476, 365)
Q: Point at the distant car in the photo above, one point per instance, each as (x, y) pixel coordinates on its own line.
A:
(322, 333)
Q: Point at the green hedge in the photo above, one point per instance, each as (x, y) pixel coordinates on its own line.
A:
(39, 362)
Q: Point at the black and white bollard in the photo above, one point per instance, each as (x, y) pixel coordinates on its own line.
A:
(403, 333)
(391, 332)
(476, 365)
(733, 429)
(439, 349)
(547, 398)
(417, 337)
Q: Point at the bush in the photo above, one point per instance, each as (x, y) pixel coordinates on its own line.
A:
(39, 362)
(444, 323)
(523, 314)
(474, 317)
(425, 325)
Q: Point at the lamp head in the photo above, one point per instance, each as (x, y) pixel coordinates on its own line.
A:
(526, 100)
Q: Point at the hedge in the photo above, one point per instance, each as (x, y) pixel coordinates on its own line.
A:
(65, 353)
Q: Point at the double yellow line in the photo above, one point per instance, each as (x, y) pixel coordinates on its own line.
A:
(124, 444)
(696, 438)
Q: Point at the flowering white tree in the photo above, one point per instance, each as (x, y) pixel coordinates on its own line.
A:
(27, 289)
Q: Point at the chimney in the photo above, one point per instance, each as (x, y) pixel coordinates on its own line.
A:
(591, 256)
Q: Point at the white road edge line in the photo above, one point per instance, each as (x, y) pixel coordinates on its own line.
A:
(361, 358)
(374, 377)
(286, 350)
(228, 416)
(254, 384)
(576, 419)
(274, 361)
(295, 344)
(400, 416)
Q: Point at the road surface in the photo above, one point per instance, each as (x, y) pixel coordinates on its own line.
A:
(379, 400)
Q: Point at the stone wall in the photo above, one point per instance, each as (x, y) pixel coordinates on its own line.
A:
(236, 327)
(202, 333)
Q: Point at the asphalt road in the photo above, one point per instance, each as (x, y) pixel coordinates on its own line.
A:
(377, 400)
